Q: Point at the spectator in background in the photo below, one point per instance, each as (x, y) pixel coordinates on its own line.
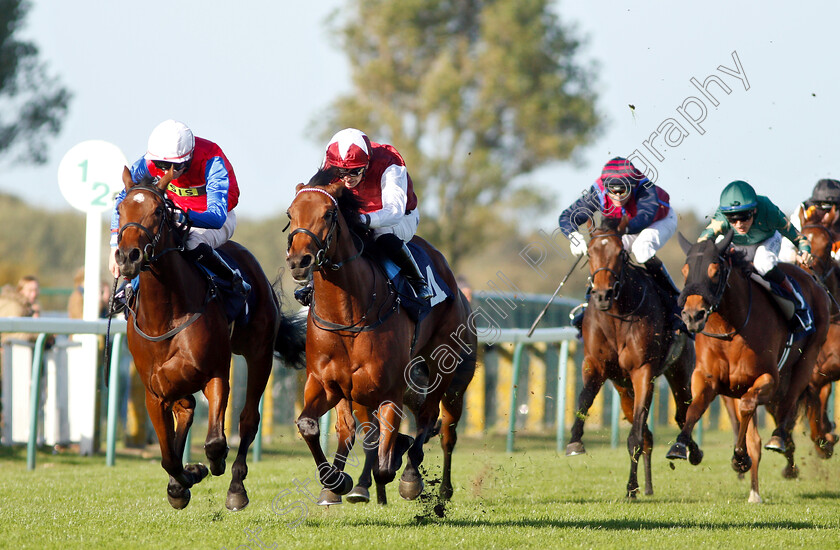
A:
(75, 305)
(465, 287)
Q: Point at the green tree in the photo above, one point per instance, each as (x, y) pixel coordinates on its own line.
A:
(475, 95)
(33, 103)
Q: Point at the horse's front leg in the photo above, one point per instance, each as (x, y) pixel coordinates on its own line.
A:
(346, 431)
(593, 379)
(642, 380)
(370, 444)
(316, 403)
(703, 391)
(180, 480)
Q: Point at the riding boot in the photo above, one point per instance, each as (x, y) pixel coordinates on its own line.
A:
(211, 259)
(801, 318)
(659, 274)
(402, 257)
(121, 297)
(576, 315)
(304, 294)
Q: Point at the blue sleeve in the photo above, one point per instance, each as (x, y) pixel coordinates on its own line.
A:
(218, 184)
(581, 211)
(647, 205)
(138, 172)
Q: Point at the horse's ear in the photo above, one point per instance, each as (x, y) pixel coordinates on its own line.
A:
(804, 212)
(622, 224)
(724, 244)
(685, 244)
(164, 181)
(127, 181)
(299, 186)
(833, 215)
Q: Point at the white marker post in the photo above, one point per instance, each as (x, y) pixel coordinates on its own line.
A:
(89, 176)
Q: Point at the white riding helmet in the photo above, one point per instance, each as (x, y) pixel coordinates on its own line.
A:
(171, 141)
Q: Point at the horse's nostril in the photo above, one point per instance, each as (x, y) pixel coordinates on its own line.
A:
(134, 255)
(305, 261)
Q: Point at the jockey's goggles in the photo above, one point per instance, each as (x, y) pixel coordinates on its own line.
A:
(165, 165)
(619, 192)
(739, 216)
(825, 205)
(351, 172)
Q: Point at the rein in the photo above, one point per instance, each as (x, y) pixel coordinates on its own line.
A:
(150, 257)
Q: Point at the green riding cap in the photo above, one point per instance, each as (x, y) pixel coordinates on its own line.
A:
(738, 196)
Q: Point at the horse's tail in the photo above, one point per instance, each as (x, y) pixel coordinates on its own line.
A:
(290, 342)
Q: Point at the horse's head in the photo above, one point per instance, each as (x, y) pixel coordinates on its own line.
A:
(323, 217)
(816, 225)
(145, 223)
(706, 273)
(607, 259)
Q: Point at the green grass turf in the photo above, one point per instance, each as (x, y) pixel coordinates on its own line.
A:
(533, 498)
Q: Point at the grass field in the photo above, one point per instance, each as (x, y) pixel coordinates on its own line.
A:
(534, 498)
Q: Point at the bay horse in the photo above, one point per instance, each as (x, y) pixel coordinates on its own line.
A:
(827, 367)
(181, 342)
(626, 340)
(744, 349)
(363, 350)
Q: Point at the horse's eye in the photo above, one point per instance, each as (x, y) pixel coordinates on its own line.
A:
(330, 215)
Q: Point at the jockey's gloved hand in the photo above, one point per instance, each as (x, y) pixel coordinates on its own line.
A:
(576, 243)
(365, 219)
(805, 258)
(180, 217)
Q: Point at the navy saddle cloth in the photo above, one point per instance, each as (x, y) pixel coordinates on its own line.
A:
(416, 309)
(236, 309)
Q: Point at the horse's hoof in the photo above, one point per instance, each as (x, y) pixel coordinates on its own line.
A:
(445, 492)
(790, 472)
(236, 501)
(328, 498)
(197, 471)
(695, 455)
(678, 451)
(410, 490)
(776, 444)
(825, 447)
(179, 503)
(741, 464)
(381, 495)
(575, 448)
(358, 494)
(755, 498)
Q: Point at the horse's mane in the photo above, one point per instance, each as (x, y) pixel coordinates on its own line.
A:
(348, 203)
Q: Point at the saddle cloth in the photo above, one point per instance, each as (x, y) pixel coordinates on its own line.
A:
(416, 309)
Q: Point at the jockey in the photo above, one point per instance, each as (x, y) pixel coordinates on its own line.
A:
(203, 186)
(623, 190)
(824, 197)
(759, 226)
(377, 175)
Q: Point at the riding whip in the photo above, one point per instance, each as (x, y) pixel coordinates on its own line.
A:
(542, 313)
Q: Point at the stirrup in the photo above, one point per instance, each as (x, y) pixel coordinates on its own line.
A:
(421, 289)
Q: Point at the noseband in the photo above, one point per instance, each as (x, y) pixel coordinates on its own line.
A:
(618, 277)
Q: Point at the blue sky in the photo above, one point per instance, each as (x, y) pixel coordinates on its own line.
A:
(253, 77)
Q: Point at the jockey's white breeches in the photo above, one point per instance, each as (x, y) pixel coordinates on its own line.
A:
(404, 229)
(644, 244)
(214, 237)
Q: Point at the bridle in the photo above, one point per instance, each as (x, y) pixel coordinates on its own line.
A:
(321, 258)
(619, 278)
(717, 297)
(164, 211)
(823, 277)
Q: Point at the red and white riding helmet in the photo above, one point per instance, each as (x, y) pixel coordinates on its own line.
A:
(171, 141)
(349, 148)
